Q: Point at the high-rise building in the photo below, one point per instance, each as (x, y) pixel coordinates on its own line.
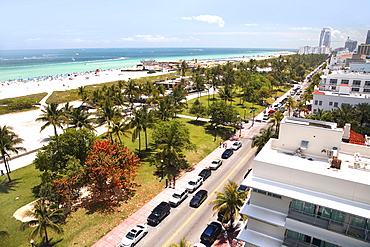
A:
(325, 37)
(350, 44)
(309, 187)
(368, 38)
(364, 49)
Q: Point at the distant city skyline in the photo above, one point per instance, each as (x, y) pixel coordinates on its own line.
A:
(282, 24)
(325, 37)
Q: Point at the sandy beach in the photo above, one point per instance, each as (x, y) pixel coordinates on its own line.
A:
(66, 82)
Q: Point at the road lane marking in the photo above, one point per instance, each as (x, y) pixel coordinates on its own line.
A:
(206, 201)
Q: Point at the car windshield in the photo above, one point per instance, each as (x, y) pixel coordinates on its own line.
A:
(236, 144)
(215, 162)
(130, 235)
(197, 197)
(192, 183)
(176, 195)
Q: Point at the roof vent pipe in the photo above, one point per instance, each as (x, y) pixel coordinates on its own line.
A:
(346, 132)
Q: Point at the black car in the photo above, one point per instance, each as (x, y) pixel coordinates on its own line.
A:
(242, 188)
(159, 213)
(227, 153)
(198, 198)
(211, 233)
(220, 217)
(205, 173)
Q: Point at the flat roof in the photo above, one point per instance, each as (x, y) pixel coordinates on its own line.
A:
(319, 165)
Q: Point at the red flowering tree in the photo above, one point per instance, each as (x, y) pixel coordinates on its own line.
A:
(110, 170)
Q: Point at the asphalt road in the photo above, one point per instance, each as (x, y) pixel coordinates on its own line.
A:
(190, 222)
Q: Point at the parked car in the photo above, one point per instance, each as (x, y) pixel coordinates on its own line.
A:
(242, 188)
(194, 184)
(210, 234)
(220, 217)
(134, 236)
(215, 164)
(178, 197)
(205, 173)
(227, 153)
(198, 198)
(236, 145)
(271, 112)
(265, 117)
(159, 213)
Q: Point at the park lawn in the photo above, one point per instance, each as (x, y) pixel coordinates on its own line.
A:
(12, 197)
(5, 102)
(83, 228)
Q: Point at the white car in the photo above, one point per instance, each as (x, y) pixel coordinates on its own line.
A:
(179, 196)
(134, 235)
(236, 145)
(194, 184)
(215, 164)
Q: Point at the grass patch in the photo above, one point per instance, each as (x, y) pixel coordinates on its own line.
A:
(5, 103)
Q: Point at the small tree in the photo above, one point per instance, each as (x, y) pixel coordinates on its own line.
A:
(8, 142)
(46, 217)
(198, 109)
(110, 170)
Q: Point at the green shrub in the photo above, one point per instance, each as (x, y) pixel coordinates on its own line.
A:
(22, 104)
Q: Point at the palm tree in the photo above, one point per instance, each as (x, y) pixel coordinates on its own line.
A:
(46, 217)
(132, 91)
(259, 141)
(275, 119)
(136, 123)
(230, 201)
(290, 105)
(78, 118)
(8, 143)
(183, 243)
(83, 93)
(119, 128)
(106, 113)
(51, 115)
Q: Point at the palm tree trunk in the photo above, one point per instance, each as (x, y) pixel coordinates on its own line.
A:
(46, 236)
(146, 139)
(6, 168)
(139, 141)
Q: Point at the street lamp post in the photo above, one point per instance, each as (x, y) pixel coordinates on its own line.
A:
(252, 111)
(215, 133)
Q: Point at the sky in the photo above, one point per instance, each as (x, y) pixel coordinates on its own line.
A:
(56, 24)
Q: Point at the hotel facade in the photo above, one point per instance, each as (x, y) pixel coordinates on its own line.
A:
(308, 188)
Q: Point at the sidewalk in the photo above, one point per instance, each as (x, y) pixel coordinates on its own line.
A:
(114, 237)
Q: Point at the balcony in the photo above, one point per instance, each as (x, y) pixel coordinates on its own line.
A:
(340, 227)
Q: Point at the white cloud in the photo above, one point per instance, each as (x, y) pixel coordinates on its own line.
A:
(34, 39)
(250, 24)
(207, 18)
(302, 28)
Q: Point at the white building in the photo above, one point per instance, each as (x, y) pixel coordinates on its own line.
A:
(308, 189)
(325, 37)
(304, 50)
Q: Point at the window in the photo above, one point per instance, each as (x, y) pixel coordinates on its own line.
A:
(333, 81)
(320, 102)
(337, 216)
(316, 101)
(335, 104)
(367, 90)
(309, 208)
(355, 89)
(345, 82)
(367, 83)
(324, 213)
(296, 205)
(356, 83)
(333, 88)
(358, 221)
(330, 103)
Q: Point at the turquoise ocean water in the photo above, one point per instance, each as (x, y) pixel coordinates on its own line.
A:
(24, 64)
